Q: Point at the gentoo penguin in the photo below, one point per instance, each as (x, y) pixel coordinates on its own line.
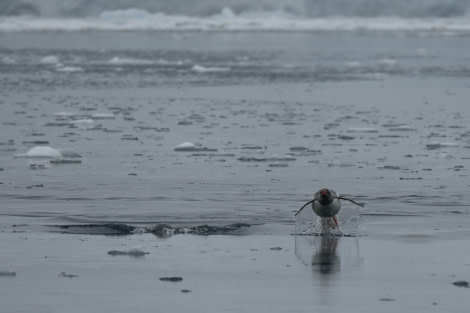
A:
(326, 204)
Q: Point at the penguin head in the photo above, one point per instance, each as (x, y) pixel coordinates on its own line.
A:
(325, 196)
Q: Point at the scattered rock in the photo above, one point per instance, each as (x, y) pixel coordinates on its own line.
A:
(7, 274)
(133, 253)
(173, 279)
(63, 274)
(461, 283)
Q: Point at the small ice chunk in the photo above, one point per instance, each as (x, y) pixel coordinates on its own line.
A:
(403, 128)
(185, 146)
(103, 116)
(190, 147)
(363, 130)
(63, 114)
(41, 152)
(277, 158)
(129, 61)
(50, 59)
(69, 69)
(202, 69)
(84, 124)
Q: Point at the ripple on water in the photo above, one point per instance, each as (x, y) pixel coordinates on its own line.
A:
(161, 229)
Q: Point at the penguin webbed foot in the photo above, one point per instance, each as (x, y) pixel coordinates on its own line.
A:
(330, 222)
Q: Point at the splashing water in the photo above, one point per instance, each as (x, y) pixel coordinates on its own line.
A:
(307, 223)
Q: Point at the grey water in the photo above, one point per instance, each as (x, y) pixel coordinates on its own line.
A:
(271, 118)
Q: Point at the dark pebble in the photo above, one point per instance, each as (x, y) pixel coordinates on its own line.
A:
(172, 279)
(461, 283)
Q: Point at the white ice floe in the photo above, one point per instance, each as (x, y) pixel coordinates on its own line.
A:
(69, 69)
(185, 146)
(202, 69)
(85, 124)
(403, 128)
(41, 152)
(129, 61)
(169, 62)
(363, 130)
(103, 116)
(64, 114)
(50, 59)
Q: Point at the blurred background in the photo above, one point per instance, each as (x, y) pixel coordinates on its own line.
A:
(301, 8)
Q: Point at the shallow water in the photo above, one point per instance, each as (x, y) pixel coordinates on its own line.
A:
(192, 152)
(387, 127)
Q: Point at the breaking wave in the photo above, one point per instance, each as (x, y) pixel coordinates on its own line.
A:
(231, 15)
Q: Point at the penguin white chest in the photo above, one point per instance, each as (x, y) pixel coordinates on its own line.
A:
(327, 210)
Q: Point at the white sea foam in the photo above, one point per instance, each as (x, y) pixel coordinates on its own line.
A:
(40, 152)
(227, 20)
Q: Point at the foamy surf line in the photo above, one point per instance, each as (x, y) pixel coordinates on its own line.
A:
(140, 20)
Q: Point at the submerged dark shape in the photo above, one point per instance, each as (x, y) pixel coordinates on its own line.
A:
(173, 279)
(326, 204)
(133, 253)
(461, 283)
(161, 229)
(98, 229)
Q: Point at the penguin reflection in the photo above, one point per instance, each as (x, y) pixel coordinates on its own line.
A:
(325, 260)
